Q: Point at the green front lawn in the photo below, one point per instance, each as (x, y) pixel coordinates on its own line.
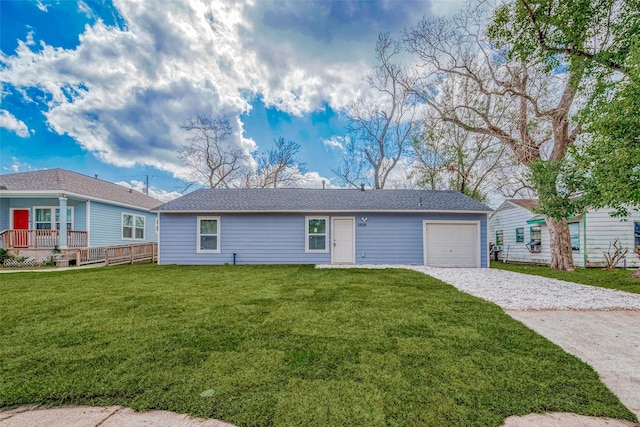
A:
(281, 345)
(612, 279)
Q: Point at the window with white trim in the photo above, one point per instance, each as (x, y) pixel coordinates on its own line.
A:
(574, 234)
(132, 227)
(208, 234)
(42, 220)
(48, 218)
(316, 234)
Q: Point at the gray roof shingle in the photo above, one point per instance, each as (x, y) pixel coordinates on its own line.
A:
(66, 181)
(318, 200)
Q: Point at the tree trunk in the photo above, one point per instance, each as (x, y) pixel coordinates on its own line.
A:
(560, 242)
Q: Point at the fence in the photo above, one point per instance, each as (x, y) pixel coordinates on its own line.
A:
(33, 239)
(115, 255)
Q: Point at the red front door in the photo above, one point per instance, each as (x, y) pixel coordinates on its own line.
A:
(21, 225)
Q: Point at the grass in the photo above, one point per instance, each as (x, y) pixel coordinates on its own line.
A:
(281, 345)
(612, 279)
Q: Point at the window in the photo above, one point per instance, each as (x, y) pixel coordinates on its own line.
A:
(316, 235)
(69, 219)
(44, 220)
(636, 234)
(534, 245)
(208, 234)
(536, 233)
(520, 235)
(132, 227)
(574, 233)
(499, 237)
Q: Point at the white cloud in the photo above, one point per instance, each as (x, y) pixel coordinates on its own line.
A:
(336, 142)
(43, 7)
(10, 122)
(315, 180)
(18, 166)
(156, 193)
(123, 92)
(84, 8)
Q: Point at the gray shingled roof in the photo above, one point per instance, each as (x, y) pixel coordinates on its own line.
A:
(526, 203)
(330, 200)
(71, 182)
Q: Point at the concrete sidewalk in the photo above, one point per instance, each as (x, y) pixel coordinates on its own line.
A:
(54, 269)
(112, 416)
(609, 341)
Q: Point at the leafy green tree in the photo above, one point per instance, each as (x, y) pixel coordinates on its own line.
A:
(604, 35)
(607, 168)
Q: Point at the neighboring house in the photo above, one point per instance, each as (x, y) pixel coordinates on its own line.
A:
(314, 226)
(36, 206)
(522, 236)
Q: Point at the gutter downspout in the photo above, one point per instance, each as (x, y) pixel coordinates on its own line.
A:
(584, 227)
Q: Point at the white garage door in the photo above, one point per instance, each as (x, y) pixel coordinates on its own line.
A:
(451, 244)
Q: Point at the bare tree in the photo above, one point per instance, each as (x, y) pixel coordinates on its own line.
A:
(381, 132)
(214, 162)
(533, 118)
(278, 167)
(449, 157)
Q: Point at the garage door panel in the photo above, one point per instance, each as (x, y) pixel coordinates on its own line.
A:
(451, 245)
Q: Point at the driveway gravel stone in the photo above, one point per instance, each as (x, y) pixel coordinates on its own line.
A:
(516, 291)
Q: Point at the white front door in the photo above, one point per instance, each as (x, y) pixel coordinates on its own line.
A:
(343, 241)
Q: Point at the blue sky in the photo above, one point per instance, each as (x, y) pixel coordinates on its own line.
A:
(101, 87)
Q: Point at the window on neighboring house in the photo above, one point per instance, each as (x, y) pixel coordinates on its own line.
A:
(208, 234)
(636, 234)
(520, 235)
(316, 235)
(132, 227)
(44, 220)
(574, 233)
(499, 237)
(536, 233)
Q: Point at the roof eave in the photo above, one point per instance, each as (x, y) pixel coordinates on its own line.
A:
(49, 193)
(305, 211)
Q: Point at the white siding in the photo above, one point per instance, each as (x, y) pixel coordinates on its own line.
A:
(507, 219)
(602, 230)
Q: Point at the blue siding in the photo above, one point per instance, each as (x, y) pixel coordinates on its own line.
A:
(4, 213)
(106, 225)
(393, 238)
(79, 210)
(255, 239)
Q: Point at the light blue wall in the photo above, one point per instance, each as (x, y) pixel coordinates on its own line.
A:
(79, 210)
(4, 213)
(256, 239)
(106, 225)
(280, 238)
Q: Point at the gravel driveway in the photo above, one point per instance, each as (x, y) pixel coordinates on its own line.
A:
(600, 326)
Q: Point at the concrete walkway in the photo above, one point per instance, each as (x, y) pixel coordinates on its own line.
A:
(609, 341)
(112, 416)
(50, 270)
